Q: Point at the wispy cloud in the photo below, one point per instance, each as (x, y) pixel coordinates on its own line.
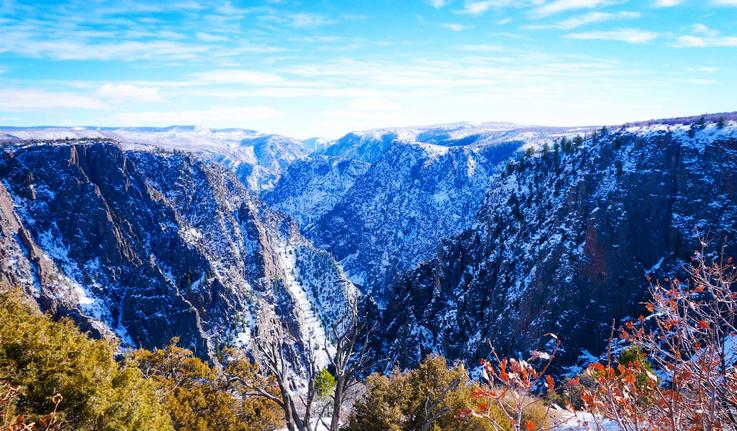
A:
(438, 4)
(594, 17)
(128, 92)
(244, 77)
(480, 48)
(667, 3)
(71, 49)
(705, 37)
(300, 20)
(477, 7)
(25, 99)
(724, 2)
(213, 117)
(209, 37)
(706, 42)
(704, 69)
(454, 26)
(629, 35)
(557, 6)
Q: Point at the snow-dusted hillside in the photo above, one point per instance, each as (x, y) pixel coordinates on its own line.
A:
(565, 239)
(151, 245)
(459, 233)
(381, 200)
(257, 158)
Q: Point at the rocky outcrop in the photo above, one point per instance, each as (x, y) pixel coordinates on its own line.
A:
(383, 199)
(564, 242)
(150, 246)
(310, 188)
(394, 216)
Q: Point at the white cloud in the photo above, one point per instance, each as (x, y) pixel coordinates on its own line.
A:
(705, 37)
(477, 7)
(374, 104)
(480, 48)
(557, 6)
(438, 4)
(629, 35)
(704, 69)
(209, 37)
(704, 30)
(594, 17)
(244, 77)
(706, 42)
(299, 20)
(667, 3)
(310, 20)
(69, 49)
(127, 92)
(724, 2)
(214, 117)
(452, 26)
(28, 99)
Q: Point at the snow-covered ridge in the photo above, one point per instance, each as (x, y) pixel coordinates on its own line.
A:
(257, 158)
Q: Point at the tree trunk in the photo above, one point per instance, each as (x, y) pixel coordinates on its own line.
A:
(337, 405)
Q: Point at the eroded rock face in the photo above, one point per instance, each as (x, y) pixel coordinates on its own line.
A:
(395, 215)
(382, 200)
(150, 246)
(563, 244)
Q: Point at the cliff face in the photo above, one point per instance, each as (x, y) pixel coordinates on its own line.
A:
(564, 241)
(381, 200)
(155, 245)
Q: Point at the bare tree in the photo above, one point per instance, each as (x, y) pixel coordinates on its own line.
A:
(278, 379)
(348, 357)
(690, 338)
(294, 373)
(278, 356)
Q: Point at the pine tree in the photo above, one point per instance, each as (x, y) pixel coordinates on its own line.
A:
(50, 360)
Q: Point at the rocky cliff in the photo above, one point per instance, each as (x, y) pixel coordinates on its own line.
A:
(152, 245)
(381, 201)
(565, 240)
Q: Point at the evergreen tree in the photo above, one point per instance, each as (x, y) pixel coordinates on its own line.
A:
(430, 397)
(198, 398)
(50, 360)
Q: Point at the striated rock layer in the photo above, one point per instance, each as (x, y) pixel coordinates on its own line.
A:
(564, 242)
(153, 245)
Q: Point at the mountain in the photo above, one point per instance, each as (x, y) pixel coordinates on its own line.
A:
(381, 200)
(462, 233)
(257, 158)
(311, 187)
(565, 241)
(150, 245)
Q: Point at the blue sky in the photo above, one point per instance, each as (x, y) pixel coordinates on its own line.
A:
(322, 68)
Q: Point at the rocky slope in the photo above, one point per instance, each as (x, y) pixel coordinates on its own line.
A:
(564, 241)
(152, 245)
(258, 159)
(381, 200)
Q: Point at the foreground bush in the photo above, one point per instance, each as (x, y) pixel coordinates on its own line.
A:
(690, 338)
(431, 397)
(48, 366)
(198, 398)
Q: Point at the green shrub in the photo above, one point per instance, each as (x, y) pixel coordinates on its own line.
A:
(43, 358)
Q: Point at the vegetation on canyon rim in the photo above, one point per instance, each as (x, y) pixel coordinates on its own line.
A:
(672, 369)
